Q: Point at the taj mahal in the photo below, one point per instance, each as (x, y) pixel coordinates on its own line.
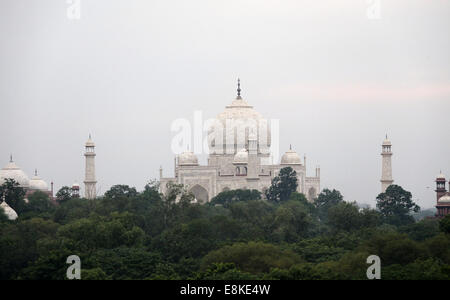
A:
(239, 158)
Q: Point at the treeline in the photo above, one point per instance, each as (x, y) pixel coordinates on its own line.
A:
(239, 235)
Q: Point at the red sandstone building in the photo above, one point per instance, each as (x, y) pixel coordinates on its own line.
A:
(443, 197)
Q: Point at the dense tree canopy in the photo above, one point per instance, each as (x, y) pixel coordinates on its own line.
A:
(396, 205)
(64, 194)
(283, 185)
(148, 235)
(227, 197)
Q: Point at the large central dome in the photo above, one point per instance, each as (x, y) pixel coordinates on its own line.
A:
(239, 109)
(231, 128)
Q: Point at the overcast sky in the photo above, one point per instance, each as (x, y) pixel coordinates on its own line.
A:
(336, 78)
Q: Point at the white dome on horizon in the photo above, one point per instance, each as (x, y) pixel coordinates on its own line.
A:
(12, 171)
(36, 183)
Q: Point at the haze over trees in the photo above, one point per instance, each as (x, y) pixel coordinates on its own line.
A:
(130, 234)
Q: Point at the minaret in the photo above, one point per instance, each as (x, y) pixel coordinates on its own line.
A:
(90, 190)
(440, 186)
(253, 165)
(386, 169)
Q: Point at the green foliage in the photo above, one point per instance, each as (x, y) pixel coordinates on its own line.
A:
(348, 217)
(444, 224)
(421, 269)
(292, 222)
(101, 232)
(14, 195)
(438, 247)
(94, 274)
(394, 248)
(38, 204)
(316, 250)
(147, 235)
(326, 200)
(396, 205)
(228, 197)
(118, 191)
(252, 257)
(64, 194)
(224, 271)
(124, 262)
(421, 230)
(283, 185)
(19, 244)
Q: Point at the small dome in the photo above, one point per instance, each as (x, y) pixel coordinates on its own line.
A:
(290, 158)
(441, 176)
(444, 199)
(187, 158)
(9, 212)
(241, 157)
(12, 171)
(75, 186)
(387, 142)
(36, 183)
(90, 142)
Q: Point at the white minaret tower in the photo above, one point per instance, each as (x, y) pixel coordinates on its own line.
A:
(90, 190)
(386, 168)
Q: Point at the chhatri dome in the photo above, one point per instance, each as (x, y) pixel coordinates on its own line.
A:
(36, 183)
(12, 171)
(241, 157)
(187, 158)
(90, 142)
(8, 211)
(387, 142)
(290, 158)
(444, 199)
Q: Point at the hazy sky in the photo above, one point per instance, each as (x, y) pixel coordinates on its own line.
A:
(337, 80)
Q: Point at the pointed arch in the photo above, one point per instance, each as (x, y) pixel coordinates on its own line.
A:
(200, 193)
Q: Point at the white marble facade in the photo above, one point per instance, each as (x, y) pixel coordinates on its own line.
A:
(239, 158)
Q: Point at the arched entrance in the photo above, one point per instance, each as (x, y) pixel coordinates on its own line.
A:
(200, 193)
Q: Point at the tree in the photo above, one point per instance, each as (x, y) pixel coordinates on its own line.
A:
(19, 244)
(123, 263)
(252, 257)
(396, 205)
(394, 248)
(120, 190)
(283, 185)
(227, 197)
(344, 216)
(175, 199)
(64, 194)
(93, 274)
(444, 224)
(326, 200)
(14, 195)
(224, 271)
(292, 221)
(39, 202)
